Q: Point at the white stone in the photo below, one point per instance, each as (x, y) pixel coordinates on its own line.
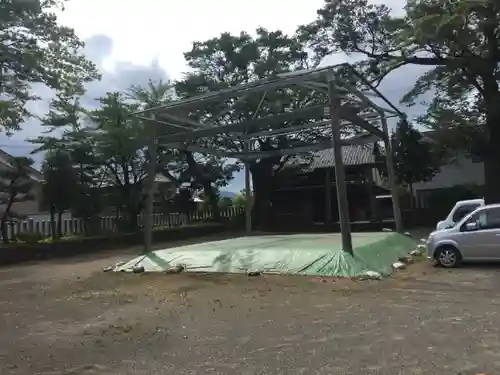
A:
(423, 240)
(138, 269)
(416, 253)
(406, 259)
(386, 230)
(407, 234)
(421, 247)
(399, 266)
(371, 275)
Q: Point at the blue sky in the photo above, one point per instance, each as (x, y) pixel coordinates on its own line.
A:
(146, 40)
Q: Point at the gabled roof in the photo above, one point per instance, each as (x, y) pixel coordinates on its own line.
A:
(6, 159)
(351, 155)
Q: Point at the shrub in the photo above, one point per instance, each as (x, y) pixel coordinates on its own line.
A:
(30, 237)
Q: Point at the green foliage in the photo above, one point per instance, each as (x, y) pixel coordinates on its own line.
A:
(29, 237)
(240, 199)
(119, 148)
(36, 49)
(60, 181)
(225, 203)
(16, 186)
(67, 132)
(230, 60)
(456, 39)
(414, 160)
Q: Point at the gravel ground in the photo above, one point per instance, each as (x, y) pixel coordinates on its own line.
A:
(71, 318)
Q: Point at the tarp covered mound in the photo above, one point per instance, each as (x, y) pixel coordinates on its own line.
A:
(302, 254)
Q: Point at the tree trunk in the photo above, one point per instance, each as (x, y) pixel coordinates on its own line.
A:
(3, 229)
(412, 196)
(53, 228)
(133, 212)
(4, 220)
(261, 180)
(492, 155)
(59, 224)
(212, 200)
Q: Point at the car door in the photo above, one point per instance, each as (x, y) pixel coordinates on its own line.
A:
(482, 243)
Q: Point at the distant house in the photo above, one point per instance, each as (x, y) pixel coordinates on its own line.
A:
(461, 169)
(164, 189)
(31, 207)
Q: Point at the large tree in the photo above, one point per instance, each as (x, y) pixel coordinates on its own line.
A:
(119, 144)
(34, 48)
(456, 39)
(59, 187)
(414, 159)
(230, 60)
(69, 129)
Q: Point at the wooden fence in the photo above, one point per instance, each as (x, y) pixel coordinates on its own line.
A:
(108, 224)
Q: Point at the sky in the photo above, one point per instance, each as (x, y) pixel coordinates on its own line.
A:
(132, 42)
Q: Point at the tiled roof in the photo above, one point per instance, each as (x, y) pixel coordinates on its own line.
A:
(351, 155)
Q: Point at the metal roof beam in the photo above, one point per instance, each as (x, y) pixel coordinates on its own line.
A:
(164, 123)
(279, 81)
(356, 140)
(257, 124)
(183, 120)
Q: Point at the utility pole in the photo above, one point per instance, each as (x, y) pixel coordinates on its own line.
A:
(150, 185)
(345, 225)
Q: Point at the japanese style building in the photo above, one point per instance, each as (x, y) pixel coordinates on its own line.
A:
(304, 192)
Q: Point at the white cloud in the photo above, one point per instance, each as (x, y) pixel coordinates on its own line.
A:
(117, 76)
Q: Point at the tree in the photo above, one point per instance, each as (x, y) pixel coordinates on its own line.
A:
(230, 60)
(119, 146)
(59, 187)
(456, 39)
(225, 203)
(34, 48)
(15, 187)
(209, 173)
(414, 160)
(69, 131)
(240, 199)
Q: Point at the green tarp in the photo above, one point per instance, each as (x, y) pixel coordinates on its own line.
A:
(302, 254)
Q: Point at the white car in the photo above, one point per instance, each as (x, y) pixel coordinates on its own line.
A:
(459, 211)
(474, 238)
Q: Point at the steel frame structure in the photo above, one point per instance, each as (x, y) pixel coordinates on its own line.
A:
(174, 126)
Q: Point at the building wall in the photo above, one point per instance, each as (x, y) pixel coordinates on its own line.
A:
(31, 207)
(462, 171)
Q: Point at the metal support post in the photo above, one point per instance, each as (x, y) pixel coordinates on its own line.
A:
(328, 197)
(248, 193)
(150, 185)
(345, 226)
(392, 176)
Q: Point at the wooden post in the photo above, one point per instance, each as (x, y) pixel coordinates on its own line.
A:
(392, 177)
(345, 225)
(374, 216)
(150, 184)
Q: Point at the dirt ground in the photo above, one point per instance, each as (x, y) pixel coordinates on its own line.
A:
(68, 317)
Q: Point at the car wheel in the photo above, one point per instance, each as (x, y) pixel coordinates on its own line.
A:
(448, 257)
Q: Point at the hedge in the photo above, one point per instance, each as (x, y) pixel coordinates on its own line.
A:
(20, 253)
